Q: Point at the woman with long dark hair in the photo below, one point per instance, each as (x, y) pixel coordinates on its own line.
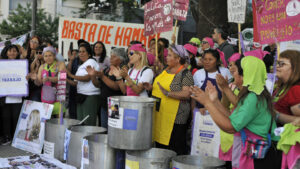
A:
(11, 106)
(100, 55)
(88, 94)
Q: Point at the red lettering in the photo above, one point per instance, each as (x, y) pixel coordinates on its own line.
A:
(108, 35)
(102, 27)
(119, 36)
(127, 36)
(78, 29)
(65, 29)
(86, 25)
(136, 33)
(92, 32)
(71, 30)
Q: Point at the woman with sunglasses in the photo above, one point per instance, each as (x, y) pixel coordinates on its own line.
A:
(137, 75)
(38, 60)
(287, 92)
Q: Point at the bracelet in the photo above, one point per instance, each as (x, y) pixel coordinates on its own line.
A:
(120, 78)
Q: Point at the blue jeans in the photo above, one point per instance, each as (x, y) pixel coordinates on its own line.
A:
(104, 117)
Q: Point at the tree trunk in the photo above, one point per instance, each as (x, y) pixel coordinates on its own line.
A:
(209, 14)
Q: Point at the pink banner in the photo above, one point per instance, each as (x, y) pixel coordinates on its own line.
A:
(158, 16)
(277, 20)
(180, 10)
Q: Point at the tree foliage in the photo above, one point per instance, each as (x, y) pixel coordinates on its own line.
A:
(19, 22)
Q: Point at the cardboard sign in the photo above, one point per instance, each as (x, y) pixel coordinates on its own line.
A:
(276, 21)
(30, 131)
(158, 16)
(180, 9)
(13, 78)
(236, 10)
(112, 34)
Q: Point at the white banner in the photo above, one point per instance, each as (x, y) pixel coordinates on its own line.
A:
(30, 131)
(236, 10)
(112, 34)
(205, 136)
(13, 78)
(290, 45)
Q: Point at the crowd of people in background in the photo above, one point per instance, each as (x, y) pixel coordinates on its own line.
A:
(207, 75)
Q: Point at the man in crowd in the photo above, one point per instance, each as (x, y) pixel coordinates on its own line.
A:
(220, 37)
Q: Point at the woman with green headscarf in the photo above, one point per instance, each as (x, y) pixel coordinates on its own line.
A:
(252, 119)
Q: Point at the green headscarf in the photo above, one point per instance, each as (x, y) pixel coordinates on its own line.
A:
(254, 74)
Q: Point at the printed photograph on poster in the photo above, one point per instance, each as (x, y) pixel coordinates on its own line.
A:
(30, 130)
(115, 114)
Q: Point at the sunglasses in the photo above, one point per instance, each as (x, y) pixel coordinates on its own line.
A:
(204, 42)
(39, 52)
(36, 42)
(131, 53)
(281, 63)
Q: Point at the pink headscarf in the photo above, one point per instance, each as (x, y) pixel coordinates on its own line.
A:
(234, 57)
(138, 47)
(222, 57)
(151, 58)
(260, 54)
(210, 42)
(191, 48)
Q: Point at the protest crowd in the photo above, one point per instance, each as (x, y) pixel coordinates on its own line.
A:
(206, 76)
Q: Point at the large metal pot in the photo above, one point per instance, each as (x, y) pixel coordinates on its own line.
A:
(130, 122)
(55, 133)
(75, 145)
(197, 162)
(154, 158)
(100, 154)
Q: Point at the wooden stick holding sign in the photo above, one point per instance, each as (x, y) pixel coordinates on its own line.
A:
(156, 46)
(176, 22)
(239, 33)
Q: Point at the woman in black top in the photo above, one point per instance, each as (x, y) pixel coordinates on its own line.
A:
(107, 81)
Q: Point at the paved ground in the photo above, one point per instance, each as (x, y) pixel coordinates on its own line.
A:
(9, 151)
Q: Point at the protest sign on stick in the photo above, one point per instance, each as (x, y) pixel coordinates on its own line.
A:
(158, 16)
(276, 21)
(180, 11)
(236, 10)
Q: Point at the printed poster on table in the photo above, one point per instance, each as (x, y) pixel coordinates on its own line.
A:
(33, 162)
(276, 20)
(13, 78)
(180, 9)
(30, 131)
(158, 16)
(236, 10)
(205, 136)
(113, 34)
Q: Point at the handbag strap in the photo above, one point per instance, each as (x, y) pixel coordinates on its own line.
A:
(244, 136)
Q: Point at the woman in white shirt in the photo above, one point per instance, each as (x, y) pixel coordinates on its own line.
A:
(100, 55)
(137, 75)
(88, 95)
(11, 105)
(211, 64)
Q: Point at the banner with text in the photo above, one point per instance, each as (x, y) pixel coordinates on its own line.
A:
(180, 9)
(276, 20)
(158, 16)
(13, 78)
(236, 10)
(112, 34)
